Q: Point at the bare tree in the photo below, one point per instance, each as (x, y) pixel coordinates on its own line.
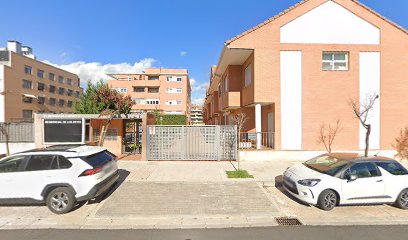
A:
(239, 119)
(4, 127)
(328, 134)
(362, 112)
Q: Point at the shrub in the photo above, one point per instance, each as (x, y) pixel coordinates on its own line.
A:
(171, 120)
(401, 145)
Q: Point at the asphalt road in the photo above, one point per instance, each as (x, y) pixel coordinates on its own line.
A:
(290, 233)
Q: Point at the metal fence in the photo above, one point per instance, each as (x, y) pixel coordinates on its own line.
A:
(191, 143)
(17, 132)
(256, 140)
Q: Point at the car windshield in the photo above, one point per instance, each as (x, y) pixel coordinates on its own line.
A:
(326, 164)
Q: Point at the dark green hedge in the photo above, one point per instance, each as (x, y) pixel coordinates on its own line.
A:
(171, 120)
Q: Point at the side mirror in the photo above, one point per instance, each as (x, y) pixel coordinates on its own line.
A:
(352, 178)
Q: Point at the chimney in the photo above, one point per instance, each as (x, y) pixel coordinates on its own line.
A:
(14, 46)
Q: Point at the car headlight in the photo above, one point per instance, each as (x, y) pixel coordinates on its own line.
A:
(309, 182)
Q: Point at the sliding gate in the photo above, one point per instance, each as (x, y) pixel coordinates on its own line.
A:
(191, 142)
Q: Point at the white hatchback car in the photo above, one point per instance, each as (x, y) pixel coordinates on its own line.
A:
(346, 179)
(60, 176)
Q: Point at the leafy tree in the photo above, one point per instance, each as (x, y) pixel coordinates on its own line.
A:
(100, 97)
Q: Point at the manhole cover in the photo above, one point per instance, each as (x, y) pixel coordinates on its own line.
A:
(288, 221)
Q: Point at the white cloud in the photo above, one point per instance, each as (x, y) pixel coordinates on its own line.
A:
(197, 86)
(95, 71)
(198, 91)
(198, 101)
(64, 54)
(183, 53)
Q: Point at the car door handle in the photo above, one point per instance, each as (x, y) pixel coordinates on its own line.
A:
(379, 180)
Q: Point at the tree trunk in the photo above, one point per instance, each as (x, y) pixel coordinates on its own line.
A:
(7, 144)
(367, 140)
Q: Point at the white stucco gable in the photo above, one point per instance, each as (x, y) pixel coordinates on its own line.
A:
(330, 23)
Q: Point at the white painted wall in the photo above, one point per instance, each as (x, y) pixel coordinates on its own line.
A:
(2, 98)
(16, 147)
(370, 84)
(330, 23)
(291, 100)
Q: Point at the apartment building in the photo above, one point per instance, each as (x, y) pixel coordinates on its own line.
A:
(300, 69)
(164, 90)
(196, 115)
(30, 86)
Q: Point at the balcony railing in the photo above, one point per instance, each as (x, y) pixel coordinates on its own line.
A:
(256, 140)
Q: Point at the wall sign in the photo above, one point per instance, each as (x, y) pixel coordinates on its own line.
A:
(63, 130)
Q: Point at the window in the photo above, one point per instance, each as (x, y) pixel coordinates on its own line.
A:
(121, 90)
(69, 82)
(138, 89)
(174, 79)
(40, 73)
(41, 87)
(77, 94)
(61, 102)
(153, 78)
(219, 90)
(27, 84)
(51, 76)
(70, 92)
(393, 167)
(139, 100)
(173, 102)
(152, 101)
(27, 99)
(52, 101)
(248, 75)
(12, 164)
(335, 61)
(61, 91)
(51, 89)
(41, 100)
(69, 104)
(174, 90)
(40, 162)
(27, 114)
(28, 69)
(99, 159)
(153, 90)
(362, 170)
(60, 79)
(60, 162)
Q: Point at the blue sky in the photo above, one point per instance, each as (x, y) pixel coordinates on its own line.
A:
(91, 37)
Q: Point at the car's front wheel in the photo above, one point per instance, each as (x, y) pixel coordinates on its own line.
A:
(60, 200)
(402, 200)
(327, 200)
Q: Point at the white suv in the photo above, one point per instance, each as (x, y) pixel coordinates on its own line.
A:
(59, 175)
(346, 178)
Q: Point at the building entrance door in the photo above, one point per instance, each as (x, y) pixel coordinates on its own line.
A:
(132, 137)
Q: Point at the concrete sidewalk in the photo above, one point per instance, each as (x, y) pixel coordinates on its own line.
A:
(179, 171)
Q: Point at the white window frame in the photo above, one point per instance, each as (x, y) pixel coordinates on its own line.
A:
(333, 61)
(248, 75)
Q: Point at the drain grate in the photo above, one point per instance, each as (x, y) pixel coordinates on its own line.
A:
(288, 221)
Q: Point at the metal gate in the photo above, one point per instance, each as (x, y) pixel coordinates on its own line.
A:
(191, 142)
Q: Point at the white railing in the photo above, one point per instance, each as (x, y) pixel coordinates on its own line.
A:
(256, 140)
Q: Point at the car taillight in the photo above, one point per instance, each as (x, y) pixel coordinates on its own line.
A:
(90, 172)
